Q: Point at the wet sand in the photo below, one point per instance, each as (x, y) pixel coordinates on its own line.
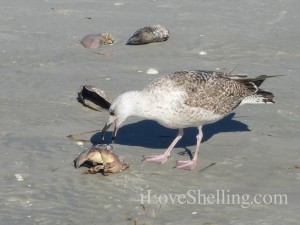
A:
(253, 151)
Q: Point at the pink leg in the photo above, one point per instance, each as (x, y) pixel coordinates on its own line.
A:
(160, 159)
(191, 164)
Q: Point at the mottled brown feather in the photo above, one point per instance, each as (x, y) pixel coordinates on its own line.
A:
(207, 89)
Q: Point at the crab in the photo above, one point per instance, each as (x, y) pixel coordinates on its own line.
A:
(101, 158)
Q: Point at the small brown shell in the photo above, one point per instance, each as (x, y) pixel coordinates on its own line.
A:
(97, 40)
(102, 159)
(146, 35)
(94, 98)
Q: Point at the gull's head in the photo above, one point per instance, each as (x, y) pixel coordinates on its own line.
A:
(120, 109)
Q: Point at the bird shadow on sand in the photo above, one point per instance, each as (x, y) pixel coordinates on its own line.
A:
(150, 134)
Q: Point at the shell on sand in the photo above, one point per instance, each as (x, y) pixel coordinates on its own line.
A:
(93, 98)
(146, 35)
(97, 40)
(102, 159)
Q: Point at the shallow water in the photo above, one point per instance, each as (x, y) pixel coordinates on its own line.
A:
(43, 65)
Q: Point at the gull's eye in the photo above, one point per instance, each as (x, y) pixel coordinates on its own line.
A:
(112, 113)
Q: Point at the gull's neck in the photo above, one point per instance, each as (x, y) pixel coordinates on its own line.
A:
(139, 104)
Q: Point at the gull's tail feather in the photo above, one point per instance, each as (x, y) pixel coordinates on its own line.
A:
(261, 96)
(256, 80)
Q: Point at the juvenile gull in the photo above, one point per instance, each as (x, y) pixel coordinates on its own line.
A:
(187, 99)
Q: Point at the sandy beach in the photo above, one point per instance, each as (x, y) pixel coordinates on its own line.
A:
(253, 151)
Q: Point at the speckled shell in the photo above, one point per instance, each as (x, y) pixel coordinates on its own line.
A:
(146, 35)
(97, 40)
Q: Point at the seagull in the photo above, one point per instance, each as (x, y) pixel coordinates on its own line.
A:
(187, 99)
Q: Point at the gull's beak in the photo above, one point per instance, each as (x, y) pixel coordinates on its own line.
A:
(114, 133)
(105, 128)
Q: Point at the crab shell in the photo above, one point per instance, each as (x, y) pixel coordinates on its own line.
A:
(93, 98)
(103, 159)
